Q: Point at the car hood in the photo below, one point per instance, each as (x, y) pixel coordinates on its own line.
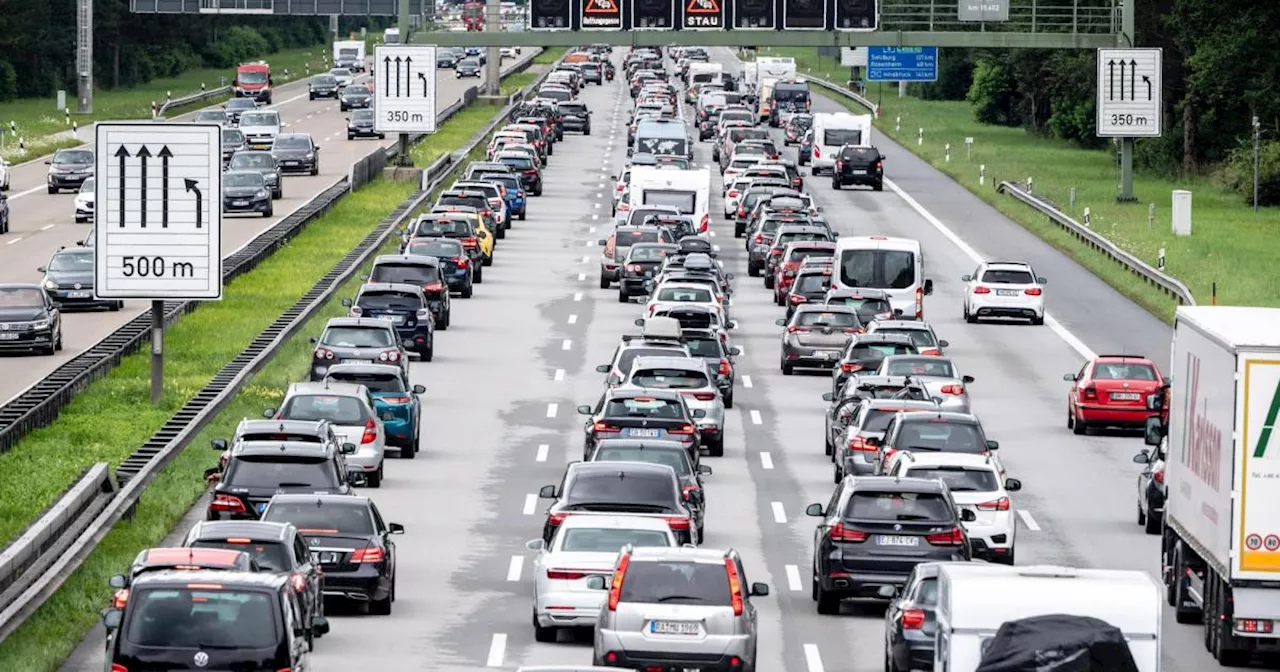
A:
(238, 192)
(21, 314)
(84, 279)
(289, 153)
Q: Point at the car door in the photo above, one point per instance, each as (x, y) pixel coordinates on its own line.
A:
(749, 611)
(380, 526)
(313, 595)
(831, 515)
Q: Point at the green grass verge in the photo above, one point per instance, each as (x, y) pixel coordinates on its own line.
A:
(549, 56)
(44, 127)
(1229, 245)
(517, 81)
(110, 418)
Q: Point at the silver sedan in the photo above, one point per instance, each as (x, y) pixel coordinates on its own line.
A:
(939, 375)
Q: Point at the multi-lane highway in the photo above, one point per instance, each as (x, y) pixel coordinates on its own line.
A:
(499, 423)
(43, 222)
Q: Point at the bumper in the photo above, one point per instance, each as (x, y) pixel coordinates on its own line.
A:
(568, 609)
(860, 462)
(84, 214)
(914, 652)
(1115, 416)
(67, 181)
(234, 206)
(356, 104)
(991, 542)
(363, 133)
(363, 584)
(632, 286)
(77, 302)
(1018, 309)
(398, 431)
(324, 94)
(869, 178)
(818, 358)
(260, 143)
(291, 166)
(861, 585)
(711, 654)
(26, 340)
(456, 282)
(368, 457)
(517, 206)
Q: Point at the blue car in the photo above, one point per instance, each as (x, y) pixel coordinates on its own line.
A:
(394, 400)
(514, 194)
(455, 265)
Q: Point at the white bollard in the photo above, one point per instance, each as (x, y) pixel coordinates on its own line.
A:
(1031, 186)
(920, 137)
(897, 124)
(982, 174)
(1088, 218)
(1160, 260)
(947, 153)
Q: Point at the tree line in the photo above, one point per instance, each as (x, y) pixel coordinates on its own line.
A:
(1217, 77)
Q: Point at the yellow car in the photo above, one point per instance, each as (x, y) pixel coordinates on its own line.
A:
(480, 247)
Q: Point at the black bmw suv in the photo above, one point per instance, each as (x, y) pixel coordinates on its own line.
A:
(858, 165)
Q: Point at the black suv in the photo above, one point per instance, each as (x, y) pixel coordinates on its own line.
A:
(256, 470)
(874, 532)
(278, 549)
(192, 620)
(858, 165)
(709, 346)
(621, 488)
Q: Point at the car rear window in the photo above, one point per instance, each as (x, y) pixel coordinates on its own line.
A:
(833, 320)
(271, 556)
(609, 540)
(337, 409)
(800, 254)
(877, 419)
(669, 379)
(435, 248)
(379, 300)
(921, 366)
(813, 282)
(376, 382)
(519, 162)
(835, 137)
(948, 437)
(679, 582)
(868, 309)
(330, 518)
(921, 337)
(685, 294)
(634, 488)
(442, 227)
(357, 337)
(880, 350)
(644, 407)
(959, 479)
(1115, 371)
(186, 618)
(1008, 277)
(704, 347)
(628, 237)
(676, 459)
(898, 506)
(273, 471)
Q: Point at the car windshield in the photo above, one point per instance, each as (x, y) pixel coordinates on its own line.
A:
(947, 437)
(676, 582)
(685, 294)
(812, 283)
(354, 90)
(324, 80)
(619, 486)
(676, 458)
(336, 409)
(259, 119)
(434, 248)
(232, 137)
(328, 518)
(609, 540)
(442, 226)
(340, 73)
(920, 366)
(357, 337)
(242, 180)
(921, 337)
(669, 379)
(73, 156)
(834, 320)
(72, 262)
(409, 274)
(292, 142)
(20, 297)
(895, 506)
(1117, 371)
(271, 556)
(362, 115)
(241, 104)
(959, 479)
(644, 407)
(191, 618)
(270, 471)
(379, 299)
(253, 160)
(376, 382)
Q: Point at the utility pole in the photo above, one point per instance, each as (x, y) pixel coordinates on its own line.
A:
(493, 62)
(402, 157)
(1257, 150)
(84, 56)
(1127, 27)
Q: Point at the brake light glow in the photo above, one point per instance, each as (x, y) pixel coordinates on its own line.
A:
(683, 430)
(120, 599)
(796, 299)
(953, 389)
(1001, 504)
(706, 221)
(733, 193)
(370, 432)
(725, 368)
(742, 212)
(1033, 292)
(817, 152)
(690, 489)
(1158, 476)
(227, 503)
(356, 311)
(461, 262)
(919, 303)
(981, 290)
(395, 400)
(367, 555)
(955, 537)
(932, 352)
(758, 239)
(735, 586)
(117, 667)
(604, 428)
(912, 619)
(299, 583)
(840, 533)
(469, 242)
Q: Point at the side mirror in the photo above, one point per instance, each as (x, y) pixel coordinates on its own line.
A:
(347, 303)
(1143, 457)
(596, 582)
(364, 276)
(1152, 432)
(820, 208)
(887, 592)
(759, 590)
(1012, 484)
(321, 626)
(993, 445)
(355, 478)
(41, 269)
(630, 151)
(348, 449)
(210, 473)
(704, 470)
(732, 324)
(814, 510)
(944, 344)
(827, 396)
(269, 413)
(219, 444)
(313, 340)
(1042, 281)
(603, 368)
(698, 413)
(602, 242)
(1069, 377)
(112, 617)
(966, 379)
(835, 234)
(48, 162)
(395, 528)
(781, 322)
(116, 581)
(928, 287)
(966, 278)
(584, 410)
(735, 351)
(419, 389)
(547, 492)
(967, 516)
(535, 544)
(897, 312)
(639, 322)
(727, 276)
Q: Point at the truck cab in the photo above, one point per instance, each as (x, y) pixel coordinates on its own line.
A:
(253, 80)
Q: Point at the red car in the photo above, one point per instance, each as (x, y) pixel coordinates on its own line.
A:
(1112, 391)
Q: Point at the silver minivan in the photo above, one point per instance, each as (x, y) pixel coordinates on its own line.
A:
(686, 608)
(688, 376)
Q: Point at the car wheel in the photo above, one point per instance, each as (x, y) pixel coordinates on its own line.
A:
(587, 131)
(728, 400)
(1152, 524)
(479, 276)
(716, 448)
(1037, 321)
(1078, 425)
(375, 479)
(878, 186)
(837, 474)
(487, 260)
(277, 194)
(311, 639)
(448, 319)
(835, 184)
(768, 281)
(501, 233)
(315, 170)
(542, 634)
(623, 297)
(467, 291)
(269, 212)
(57, 345)
(351, 137)
(115, 305)
(522, 216)
(787, 369)
(383, 607)
(429, 352)
(1142, 515)
(604, 282)
(753, 270)
(828, 604)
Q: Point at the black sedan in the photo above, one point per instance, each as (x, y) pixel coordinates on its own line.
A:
(468, 67)
(261, 162)
(29, 320)
(455, 265)
(355, 97)
(296, 153)
(68, 280)
(360, 125)
(246, 191)
(323, 86)
(349, 540)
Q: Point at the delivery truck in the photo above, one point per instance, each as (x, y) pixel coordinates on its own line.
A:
(1221, 538)
(349, 54)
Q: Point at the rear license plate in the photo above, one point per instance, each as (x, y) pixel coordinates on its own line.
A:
(859, 172)
(9, 336)
(239, 204)
(889, 540)
(77, 295)
(673, 628)
(261, 507)
(393, 319)
(646, 433)
(1125, 396)
(831, 355)
(290, 163)
(1006, 292)
(357, 361)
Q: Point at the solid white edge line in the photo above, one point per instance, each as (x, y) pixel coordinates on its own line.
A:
(793, 578)
(779, 514)
(46, 227)
(497, 650)
(559, 375)
(530, 502)
(552, 409)
(515, 568)
(1027, 520)
(543, 449)
(755, 417)
(566, 344)
(766, 460)
(746, 381)
(812, 658)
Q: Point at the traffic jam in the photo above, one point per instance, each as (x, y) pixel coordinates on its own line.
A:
(922, 519)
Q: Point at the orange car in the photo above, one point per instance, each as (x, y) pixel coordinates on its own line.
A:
(1112, 391)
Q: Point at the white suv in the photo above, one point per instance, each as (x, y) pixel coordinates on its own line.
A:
(975, 484)
(1004, 289)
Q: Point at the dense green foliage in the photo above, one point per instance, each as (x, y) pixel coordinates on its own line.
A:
(1216, 78)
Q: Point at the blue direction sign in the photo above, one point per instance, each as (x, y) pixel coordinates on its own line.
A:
(902, 64)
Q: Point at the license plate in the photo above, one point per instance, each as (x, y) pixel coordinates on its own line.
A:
(1006, 292)
(393, 319)
(674, 628)
(8, 336)
(1125, 396)
(261, 507)
(831, 355)
(357, 361)
(859, 172)
(889, 540)
(645, 433)
(239, 204)
(290, 163)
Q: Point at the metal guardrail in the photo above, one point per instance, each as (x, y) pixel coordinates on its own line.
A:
(1155, 277)
(26, 590)
(197, 97)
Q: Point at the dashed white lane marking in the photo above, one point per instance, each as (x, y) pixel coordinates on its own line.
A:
(766, 460)
(715, 247)
(713, 233)
(586, 259)
(498, 649)
(588, 243)
(1027, 520)
(793, 578)
(582, 276)
(573, 319)
(746, 381)
(559, 375)
(755, 417)
(592, 229)
(742, 350)
(594, 218)
(577, 296)
(13, 241)
(543, 450)
(566, 344)
(530, 502)
(46, 227)
(552, 409)
(812, 659)
(596, 205)
(779, 514)
(599, 195)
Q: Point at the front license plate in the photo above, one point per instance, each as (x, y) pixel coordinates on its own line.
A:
(1006, 292)
(9, 336)
(1125, 396)
(673, 628)
(889, 540)
(77, 295)
(645, 433)
(239, 204)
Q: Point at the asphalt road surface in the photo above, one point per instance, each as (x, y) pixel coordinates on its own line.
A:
(43, 222)
(499, 423)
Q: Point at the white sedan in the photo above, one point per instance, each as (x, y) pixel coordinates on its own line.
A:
(84, 201)
(4, 175)
(584, 546)
(1004, 289)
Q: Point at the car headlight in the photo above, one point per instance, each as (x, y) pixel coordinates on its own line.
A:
(49, 284)
(262, 193)
(41, 324)
(310, 156)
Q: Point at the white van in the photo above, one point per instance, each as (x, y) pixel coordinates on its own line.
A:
(689, 191)
(895, 265)
(833, 131)
(975, 599)
(702, 73)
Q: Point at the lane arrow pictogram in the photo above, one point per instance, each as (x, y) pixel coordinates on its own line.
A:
(192, 186)
(144, 154)
(1133, 79)
(408, 76)
(164, 155)
(386, 73)
(1121, 79)
(1147, 80)
(422, 77)
(1111, 79)
(397, 76)
(122, 154)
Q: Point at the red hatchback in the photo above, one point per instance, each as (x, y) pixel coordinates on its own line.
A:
(1111, 391)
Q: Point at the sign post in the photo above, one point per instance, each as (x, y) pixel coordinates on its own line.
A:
(404, 100)
(1129, 103)
(902, 64)
(159, 223)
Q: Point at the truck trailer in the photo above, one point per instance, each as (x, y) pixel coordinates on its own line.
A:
(1221, 536)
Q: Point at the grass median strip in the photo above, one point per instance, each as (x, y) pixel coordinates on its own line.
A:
(549, 56)
(111, 418)
(1230, 244)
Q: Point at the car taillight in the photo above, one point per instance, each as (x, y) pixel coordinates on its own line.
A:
(850, 367)
(912, 619)
(530, 171)
(565, 574)
(370, 433)
(725, 368)
(879, 165)
(742, 212)
(735, 586)
(605, 428)
(615, 590)
(1158, 476)
(461, 262)
(934, 352)
(433, 287)
(954, 537)
(495, 203)
(796, 299)
(683, 430)
(840, 533)
(839, 165)
(733, 193)
(1090, 393)
(758, 239)
(919, 303)
(953, 389)
(322, 353)
(356, 311)
(389, 356)
(1001, 504)
(817, 152)
(120, 599)
(556, 518)
(395, 400)
(686, 490)
(794, 329)
(706, 221)
(1033, 292)
(117, 667)
(859, 444)
(701, 396)
(469, 242)
(635, 268)
(981, 290)
(227, 503)
(370, 554)
(620, 187)
(677, 522)
(299, 583)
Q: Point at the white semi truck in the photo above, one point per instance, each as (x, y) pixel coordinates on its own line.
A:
(1221, 536)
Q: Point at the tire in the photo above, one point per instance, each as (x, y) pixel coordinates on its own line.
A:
(410, 451)
(753, 270)
(768, 281)
(538, 191)
(382, 607)
(1142, 516)
(479, 275)
(351, 137)
(728, 401)
(827, 448)
(467, 291)
(716, 449)
(315, 170)
(835, 184)
(375, 478)
(878, 186)
(501, 233)
(270, 212)
(1152, 524)
(788, 369)
(487, 260)
(443, 325)
(522, 216)
(429, 353)
(116, 306)
(58, 344)
(1078, 425)
(828, 604)
(1184, 615)
(53, 190)
(1037, 321)
(623, 297)
(542, 634)
(604, 282)
(277, 194)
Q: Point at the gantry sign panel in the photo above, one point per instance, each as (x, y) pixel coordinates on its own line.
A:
(644, 15)
(275, 7)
